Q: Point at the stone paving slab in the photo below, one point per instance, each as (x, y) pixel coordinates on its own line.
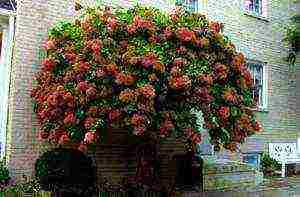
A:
(270, 193)
(274, 187)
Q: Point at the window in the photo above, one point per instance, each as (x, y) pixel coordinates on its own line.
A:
(252, 159)
(257, 70)
(6, 32)
(254, 6)
(191, 5)
(0, 42)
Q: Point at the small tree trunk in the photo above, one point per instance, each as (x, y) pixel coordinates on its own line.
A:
(147, 159)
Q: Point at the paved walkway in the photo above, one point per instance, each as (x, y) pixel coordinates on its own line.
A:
(276, 187)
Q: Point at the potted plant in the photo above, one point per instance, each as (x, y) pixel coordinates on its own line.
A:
(269, 165)
(147, 72)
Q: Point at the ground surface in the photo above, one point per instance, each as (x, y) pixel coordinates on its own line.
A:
(276, 187)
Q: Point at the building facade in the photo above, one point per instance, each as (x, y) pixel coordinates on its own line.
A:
(256, 27)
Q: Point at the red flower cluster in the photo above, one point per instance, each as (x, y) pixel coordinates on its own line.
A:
(179, 62)
(201, 94)
(127, 96)
(111, 69)
(206, 79)
(238, 62)
(48, 64)
(168, 33)
(124, 79)
(160, 67)
(148, 91)
(149, 60)
(180, 82)
(138, 120)
(191, 134)
(224, 112)
(49, 45)
(186, 35)
(230, 96)
(215, 27)
(82, 86)
(82, 67)
(112, 24)
(139, 24)
(95, 46)
(64, 138)
(90, 137)
(139, 130)
(88, 122)
(114, 115)
(71, 57)
(70, 119)
(220, 71)
(166, 126)
(247, 78)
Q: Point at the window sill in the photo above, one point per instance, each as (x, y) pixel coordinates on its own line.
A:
(261, 109)
(252, 14)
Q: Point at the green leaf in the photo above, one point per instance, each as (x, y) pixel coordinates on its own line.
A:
(80, 114)
(48, 126)
(77, 135)
(70, 87)
(225, 136)
(71, 129)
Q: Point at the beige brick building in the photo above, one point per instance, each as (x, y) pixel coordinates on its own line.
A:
(256, 31)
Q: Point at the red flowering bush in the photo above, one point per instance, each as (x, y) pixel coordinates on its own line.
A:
(144, 71)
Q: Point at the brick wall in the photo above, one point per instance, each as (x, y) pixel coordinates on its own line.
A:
(32, 23)
(261, 39)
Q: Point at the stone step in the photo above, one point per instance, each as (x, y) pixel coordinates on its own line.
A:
(228, 175)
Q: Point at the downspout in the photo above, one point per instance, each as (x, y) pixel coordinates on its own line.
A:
(7, 153)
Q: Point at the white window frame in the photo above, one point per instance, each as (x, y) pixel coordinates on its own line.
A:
(264, 105)
(263, 9)
(7, 26)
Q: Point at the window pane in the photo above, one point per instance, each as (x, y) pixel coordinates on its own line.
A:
(192, 5)
(249, 5)
(253, 6)
(256, 71)
(257, 6)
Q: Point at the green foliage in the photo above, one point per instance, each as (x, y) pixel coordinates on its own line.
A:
(293, 31)
(4, 172)
(66, 29)
(28, 186)
(268, 163)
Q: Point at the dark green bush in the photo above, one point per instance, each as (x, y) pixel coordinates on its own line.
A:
(268, 164)
(4, 173)
(65, 170)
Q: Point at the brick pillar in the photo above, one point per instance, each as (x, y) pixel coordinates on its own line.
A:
(34, 18)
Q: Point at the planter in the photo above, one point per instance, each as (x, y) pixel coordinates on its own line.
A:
(28, 194)
(189, 171)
